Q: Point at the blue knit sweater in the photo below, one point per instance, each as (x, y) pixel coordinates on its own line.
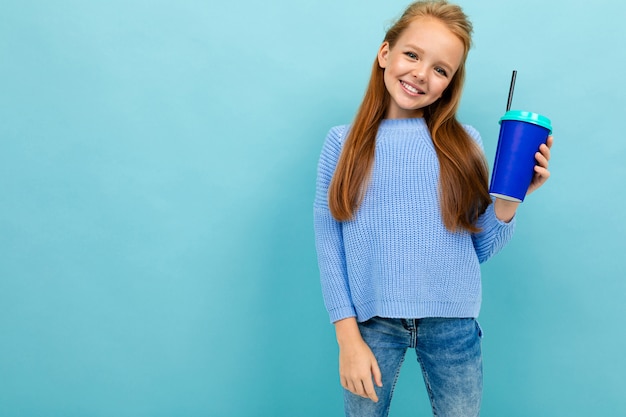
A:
(395, 258)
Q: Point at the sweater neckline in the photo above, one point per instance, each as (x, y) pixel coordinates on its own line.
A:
(403, 123)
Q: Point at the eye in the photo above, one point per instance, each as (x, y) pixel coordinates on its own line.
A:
(441, 71)
(411, 55)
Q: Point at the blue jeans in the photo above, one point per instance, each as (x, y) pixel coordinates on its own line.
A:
(448, 351)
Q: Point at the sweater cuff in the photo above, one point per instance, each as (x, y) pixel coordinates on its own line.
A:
(341, 313)
(491, 213)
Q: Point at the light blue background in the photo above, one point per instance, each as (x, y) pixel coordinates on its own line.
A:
(157, 169)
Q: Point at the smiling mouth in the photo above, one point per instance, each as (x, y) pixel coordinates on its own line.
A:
(411, 89)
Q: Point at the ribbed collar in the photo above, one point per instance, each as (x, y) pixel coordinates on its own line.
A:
(403, 123)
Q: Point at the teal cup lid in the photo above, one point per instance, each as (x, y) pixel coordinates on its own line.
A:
(528, 117)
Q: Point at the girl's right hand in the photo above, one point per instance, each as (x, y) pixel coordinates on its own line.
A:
(358, 367)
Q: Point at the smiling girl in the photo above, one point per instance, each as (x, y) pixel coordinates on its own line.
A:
(403, 219)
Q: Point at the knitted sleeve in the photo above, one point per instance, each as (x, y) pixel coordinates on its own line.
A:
(328, 234)
(494, 234)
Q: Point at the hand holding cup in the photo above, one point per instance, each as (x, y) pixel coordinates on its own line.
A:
(522, 156)
(541, 174)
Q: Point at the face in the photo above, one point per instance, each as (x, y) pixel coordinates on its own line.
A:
(419, 67)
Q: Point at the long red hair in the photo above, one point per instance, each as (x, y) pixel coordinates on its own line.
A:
(463, 179)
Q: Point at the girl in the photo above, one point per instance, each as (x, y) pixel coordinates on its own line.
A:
(403, 218)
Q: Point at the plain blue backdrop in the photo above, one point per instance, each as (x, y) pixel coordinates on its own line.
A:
(157, 172)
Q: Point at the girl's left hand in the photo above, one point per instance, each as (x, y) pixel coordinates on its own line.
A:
(541, 169)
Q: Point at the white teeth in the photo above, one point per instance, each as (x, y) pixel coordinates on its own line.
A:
(411, 88)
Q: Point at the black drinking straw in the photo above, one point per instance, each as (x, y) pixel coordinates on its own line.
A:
(508, 103)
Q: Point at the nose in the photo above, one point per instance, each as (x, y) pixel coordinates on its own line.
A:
(419, 72)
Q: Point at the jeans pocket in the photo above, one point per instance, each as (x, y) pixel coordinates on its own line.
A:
(479, 329)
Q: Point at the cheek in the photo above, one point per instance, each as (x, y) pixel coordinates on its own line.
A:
(396, 66)
(389, 76)
(442, 87)
(403, 67)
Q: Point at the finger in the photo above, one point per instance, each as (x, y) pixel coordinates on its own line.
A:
(378, 376)
(545, 151)
(370, 392)
(349, 385)
(541, 174)
(542, 160)
(550, 141)
(355, 386)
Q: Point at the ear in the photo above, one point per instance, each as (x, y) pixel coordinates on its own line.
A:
(383, 55)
